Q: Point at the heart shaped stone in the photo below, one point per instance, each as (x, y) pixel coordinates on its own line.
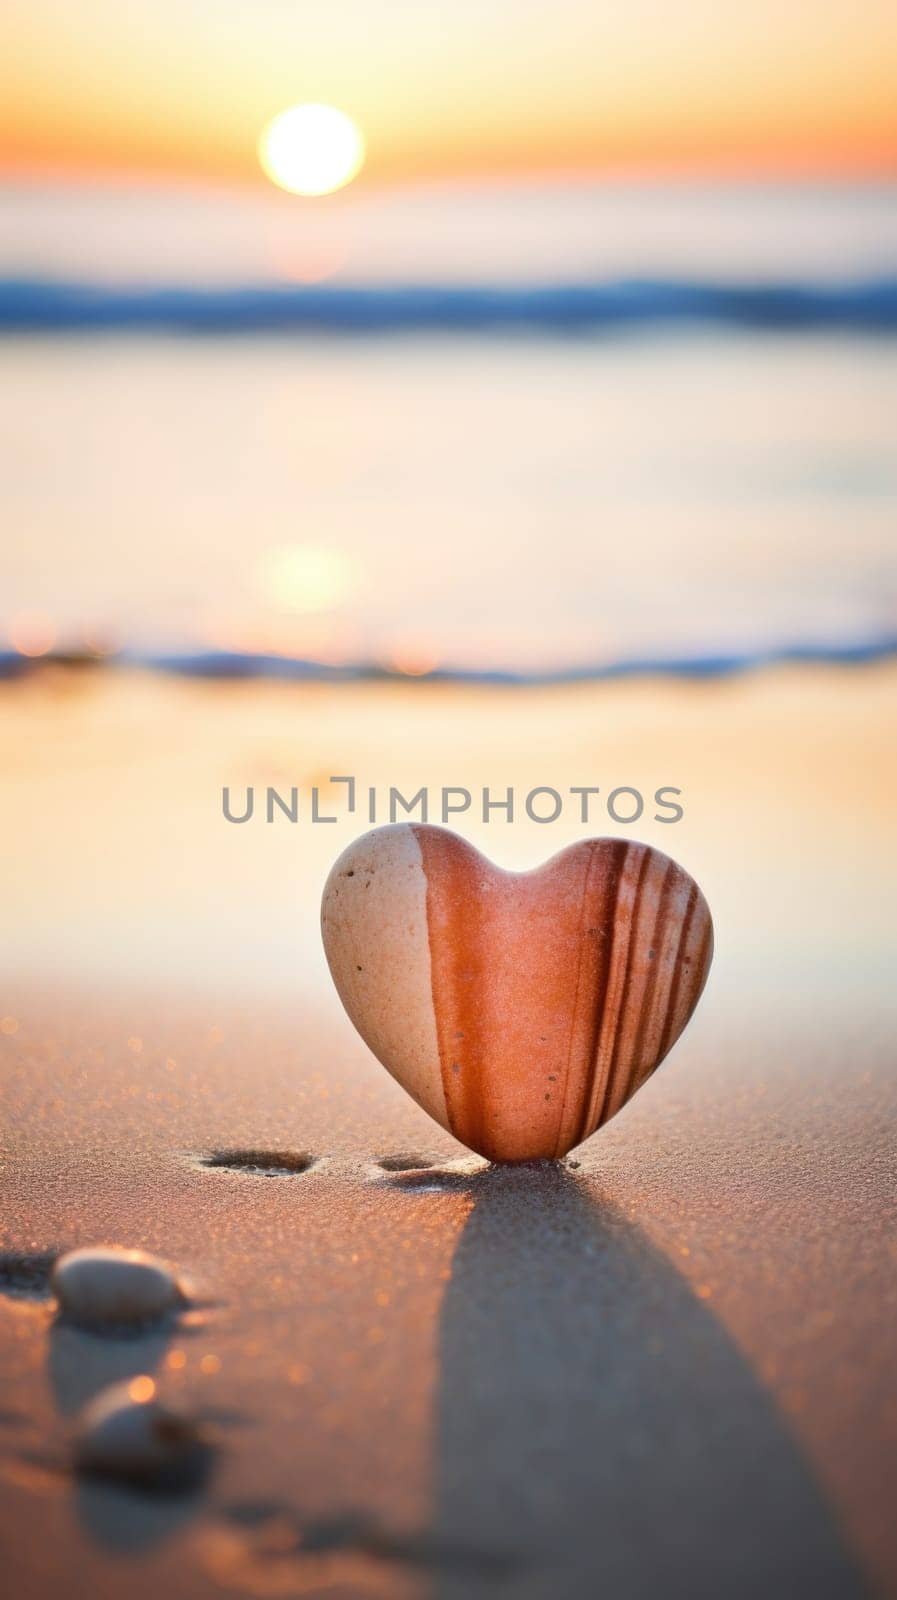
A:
(520, 1009)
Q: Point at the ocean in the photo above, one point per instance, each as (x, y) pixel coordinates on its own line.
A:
(517, 432)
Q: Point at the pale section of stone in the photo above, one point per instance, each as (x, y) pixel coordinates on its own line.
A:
(374, 927)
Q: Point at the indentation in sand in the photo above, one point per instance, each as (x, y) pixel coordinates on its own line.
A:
(422, 1173)
(405, 1161)
(24, 1276)
(259, 1163)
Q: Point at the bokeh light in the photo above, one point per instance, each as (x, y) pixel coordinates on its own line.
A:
(301, 578)
(32, 633)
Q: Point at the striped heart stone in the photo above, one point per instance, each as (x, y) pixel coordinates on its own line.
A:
(520, 1009)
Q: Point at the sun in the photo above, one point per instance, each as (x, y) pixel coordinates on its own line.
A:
(311, 149)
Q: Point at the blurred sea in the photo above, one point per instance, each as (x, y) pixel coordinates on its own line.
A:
(510, 431)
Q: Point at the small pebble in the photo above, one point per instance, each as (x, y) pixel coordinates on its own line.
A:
(106, 1287)
(127, 1433)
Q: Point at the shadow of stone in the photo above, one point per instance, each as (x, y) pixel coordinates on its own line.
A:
(122, 1518)
(81, 1363)
(127, 1520)
(597, 1431)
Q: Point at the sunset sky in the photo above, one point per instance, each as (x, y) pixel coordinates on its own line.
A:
(180, 89)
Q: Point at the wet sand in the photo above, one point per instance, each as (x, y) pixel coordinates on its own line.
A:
(663, 1365)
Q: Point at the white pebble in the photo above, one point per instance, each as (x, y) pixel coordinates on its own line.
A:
(126, 1433)
(104, 1286)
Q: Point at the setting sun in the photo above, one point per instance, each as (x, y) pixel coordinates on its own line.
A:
(311, 149)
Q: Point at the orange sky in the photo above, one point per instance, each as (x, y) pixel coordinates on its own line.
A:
(182, 87)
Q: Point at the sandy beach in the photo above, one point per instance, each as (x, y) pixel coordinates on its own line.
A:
(424, 1376)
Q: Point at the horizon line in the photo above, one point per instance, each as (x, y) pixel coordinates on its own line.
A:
(234, 665)
(859, 305)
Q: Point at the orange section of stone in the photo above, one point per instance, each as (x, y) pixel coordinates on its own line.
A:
(556, 992)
